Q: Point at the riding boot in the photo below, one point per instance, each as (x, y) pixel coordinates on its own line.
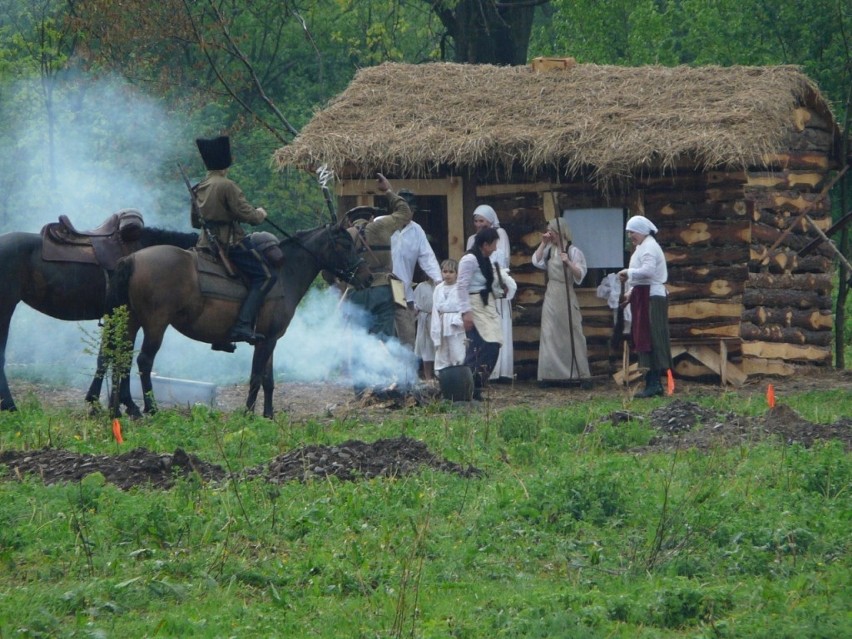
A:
(653, 387)
(243, 329)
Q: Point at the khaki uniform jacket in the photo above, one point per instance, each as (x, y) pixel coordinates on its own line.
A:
(223, 206)
(377, 235)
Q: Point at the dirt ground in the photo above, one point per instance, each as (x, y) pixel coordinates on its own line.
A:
(678, 423)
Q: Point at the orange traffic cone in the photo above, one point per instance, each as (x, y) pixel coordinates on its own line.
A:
(770, 396)
(116, 431)
(670, 385)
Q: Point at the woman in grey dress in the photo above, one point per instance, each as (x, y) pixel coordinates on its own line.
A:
(562, 353)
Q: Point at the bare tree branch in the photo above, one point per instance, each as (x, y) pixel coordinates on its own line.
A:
(250, 68)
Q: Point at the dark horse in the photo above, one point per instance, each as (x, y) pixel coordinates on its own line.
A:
(160, 287)
(65, 290)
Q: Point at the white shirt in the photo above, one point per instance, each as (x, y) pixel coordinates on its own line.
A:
(648, 266)
(410, 246)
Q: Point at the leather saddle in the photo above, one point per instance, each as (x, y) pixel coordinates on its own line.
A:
(214, 281)
(102, 246)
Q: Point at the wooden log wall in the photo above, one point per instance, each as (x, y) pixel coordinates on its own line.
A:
(716, 229)
(787, 317)
(705, 231)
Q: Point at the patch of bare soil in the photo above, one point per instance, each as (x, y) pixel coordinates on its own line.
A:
(682, 424)
(348, 461)
(356, 459)
(677, 424)
(133, 468)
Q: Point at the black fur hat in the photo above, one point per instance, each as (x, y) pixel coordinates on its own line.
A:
(216, 152)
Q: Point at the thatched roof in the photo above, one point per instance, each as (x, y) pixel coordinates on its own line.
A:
(412, 120)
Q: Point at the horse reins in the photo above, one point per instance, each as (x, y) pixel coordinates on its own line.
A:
(346, 275)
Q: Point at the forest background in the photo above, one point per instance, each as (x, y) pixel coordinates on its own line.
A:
(99, 100)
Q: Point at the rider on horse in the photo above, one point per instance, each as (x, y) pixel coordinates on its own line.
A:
(221, 207)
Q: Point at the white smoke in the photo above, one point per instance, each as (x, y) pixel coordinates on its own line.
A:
(116, 148)
(325, 342)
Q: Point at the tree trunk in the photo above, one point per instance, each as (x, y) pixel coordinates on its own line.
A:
(485, 33)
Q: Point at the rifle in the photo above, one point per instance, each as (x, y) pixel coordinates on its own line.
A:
(211, 237)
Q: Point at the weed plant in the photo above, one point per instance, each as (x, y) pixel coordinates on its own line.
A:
(568, 533)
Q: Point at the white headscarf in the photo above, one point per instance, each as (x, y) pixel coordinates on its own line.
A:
(488, 213)
(640, 224)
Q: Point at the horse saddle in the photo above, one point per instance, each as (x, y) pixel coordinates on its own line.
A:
(214, 281)
(103, 246)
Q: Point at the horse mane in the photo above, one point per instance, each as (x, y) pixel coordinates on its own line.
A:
(153, 236)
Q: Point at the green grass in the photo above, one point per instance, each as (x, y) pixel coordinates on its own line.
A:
(567, 534)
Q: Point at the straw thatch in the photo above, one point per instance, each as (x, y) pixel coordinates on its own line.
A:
(605, 121)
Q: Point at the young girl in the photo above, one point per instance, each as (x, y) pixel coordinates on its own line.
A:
(423, 347)
(447, 325)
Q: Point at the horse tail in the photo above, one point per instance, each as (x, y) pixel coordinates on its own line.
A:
(118, 291)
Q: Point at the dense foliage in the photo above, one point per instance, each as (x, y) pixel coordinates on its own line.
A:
(100, 99)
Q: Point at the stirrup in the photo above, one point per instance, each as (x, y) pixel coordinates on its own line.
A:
(249, 336)
(225, 347)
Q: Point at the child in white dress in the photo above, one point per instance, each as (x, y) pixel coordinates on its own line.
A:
(424, 349)
(447, 325)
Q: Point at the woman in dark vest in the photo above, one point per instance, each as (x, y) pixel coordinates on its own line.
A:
(475, 287)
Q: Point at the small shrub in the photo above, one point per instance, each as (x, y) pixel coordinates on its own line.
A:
(593, 496)
(688, 605)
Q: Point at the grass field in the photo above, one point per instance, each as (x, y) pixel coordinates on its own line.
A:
(568, 532)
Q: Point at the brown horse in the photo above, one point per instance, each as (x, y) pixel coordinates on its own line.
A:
(61, 289)
(160, 287)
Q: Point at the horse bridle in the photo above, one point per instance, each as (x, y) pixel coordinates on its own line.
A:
(347, 275)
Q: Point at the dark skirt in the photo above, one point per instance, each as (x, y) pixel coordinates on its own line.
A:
(660, 357)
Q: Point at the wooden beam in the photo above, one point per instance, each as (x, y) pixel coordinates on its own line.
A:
(763, 366)
(787, 352)
(843, 221)
(701, 309)
(491, 190)
(806, 209)
(715, 358)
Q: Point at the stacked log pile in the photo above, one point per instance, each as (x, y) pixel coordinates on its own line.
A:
(787, 318)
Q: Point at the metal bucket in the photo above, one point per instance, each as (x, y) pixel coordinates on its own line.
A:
(456, 383)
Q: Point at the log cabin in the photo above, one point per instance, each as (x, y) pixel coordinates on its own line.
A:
(727, 161)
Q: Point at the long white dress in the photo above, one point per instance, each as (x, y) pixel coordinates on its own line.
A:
(559, 344)
(505, 366)
(447, 327)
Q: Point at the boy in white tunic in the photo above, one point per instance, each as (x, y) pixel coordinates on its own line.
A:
(447, 329)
